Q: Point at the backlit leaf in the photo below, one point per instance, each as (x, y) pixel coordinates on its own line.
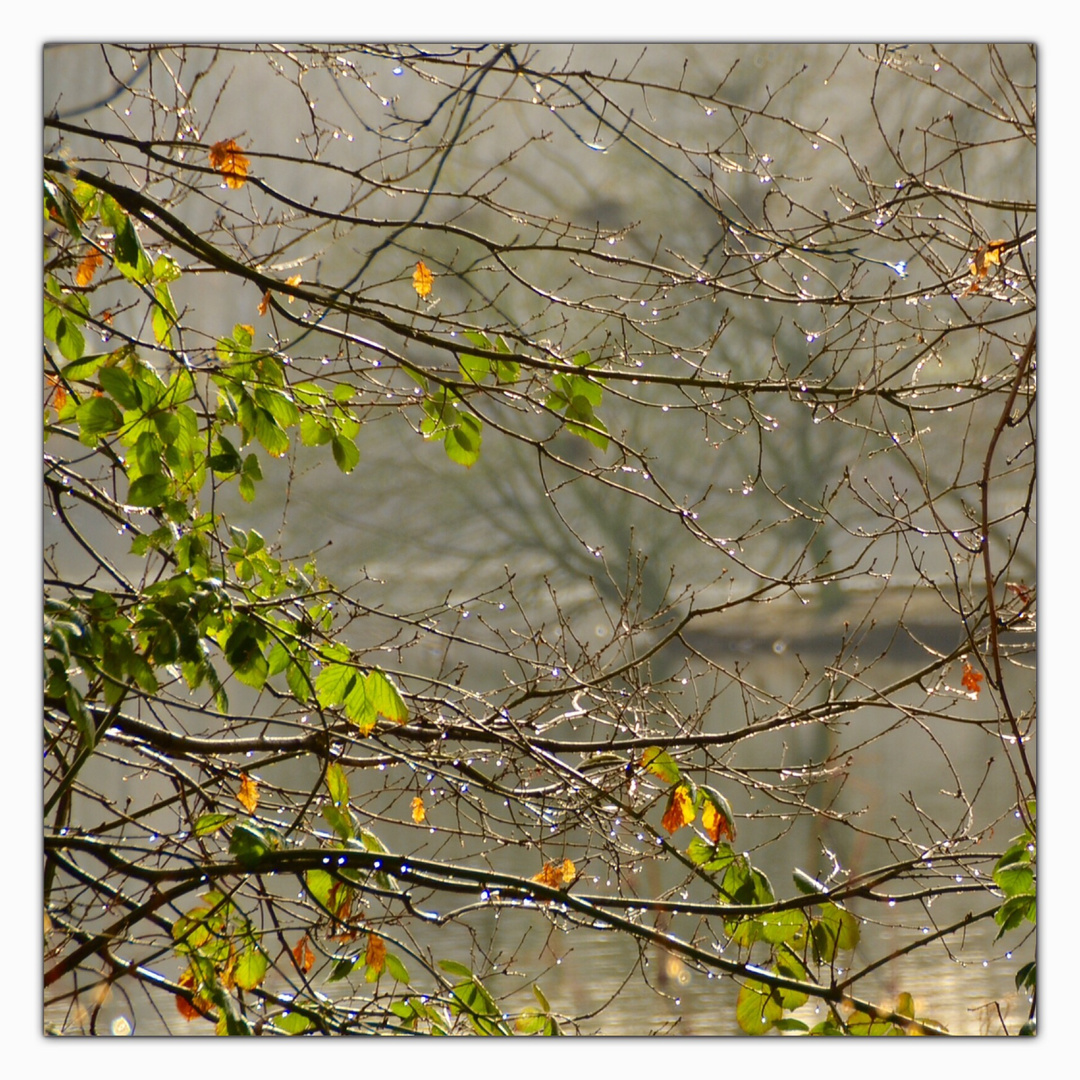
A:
(680, 809)
(971, 680)
(375, 957)
(228, 159)
(556, 875)
(422, 280)
(716, 816)
(88, 268)
(302, 954)
(419, 814)
(660, 763)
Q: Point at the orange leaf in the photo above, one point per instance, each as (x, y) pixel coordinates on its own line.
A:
(422, 280)
(294, 281)
(556, 875)
(248, 795)
(716, 817)
(419, 814)
(189, 1010)
(375, 957)
(57, 393)
(680, 809)
(981, 261)
(971, 679)
(302, 954)
(264, 303)
(229, 160)
(88, 268)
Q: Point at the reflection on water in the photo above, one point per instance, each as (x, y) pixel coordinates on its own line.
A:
(611, 985)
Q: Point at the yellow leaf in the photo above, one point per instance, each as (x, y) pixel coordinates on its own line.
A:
(422, 280)
(419, 815)
(294, 281)
(229, 160)
(248, 795)
(556, 875)
(680, 809)
(264, 303)
(716, 817)
(88, 268)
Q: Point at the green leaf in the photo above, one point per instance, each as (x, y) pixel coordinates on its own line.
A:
(384, 698)
(340, 820)
(452, 967)
(474, 368)
(97, 416)
(661, 764)
(148, 490)
(251, 967)
(397, 969)
(292, 1023)
(210, 823)
(346, 455)
(337, 783)
(69, 339)
(462, 441)
(756, 1009)
(84, 369)
(1025, 977)
(248, 844)
(789, 1023)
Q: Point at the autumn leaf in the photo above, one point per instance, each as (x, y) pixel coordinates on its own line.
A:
(302, 954)
(190, 1010)
(293, 281)
(229, 160)
(88, 268)
(57, 392)
(556, 875)
(419, 814)
(248, 795)
(264, 303)
(375, 957)
(716, 817)
(971, 679)
(981, 261)
(661, 764)
(422, 280)
(680, 809)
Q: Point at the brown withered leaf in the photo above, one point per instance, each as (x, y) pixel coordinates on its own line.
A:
(189, 1010)
(984, 257)
(422, 280)
(88, 268)
(228, 158)
(375, 957)
(302, 954)
(419, 814)
(248, 795)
